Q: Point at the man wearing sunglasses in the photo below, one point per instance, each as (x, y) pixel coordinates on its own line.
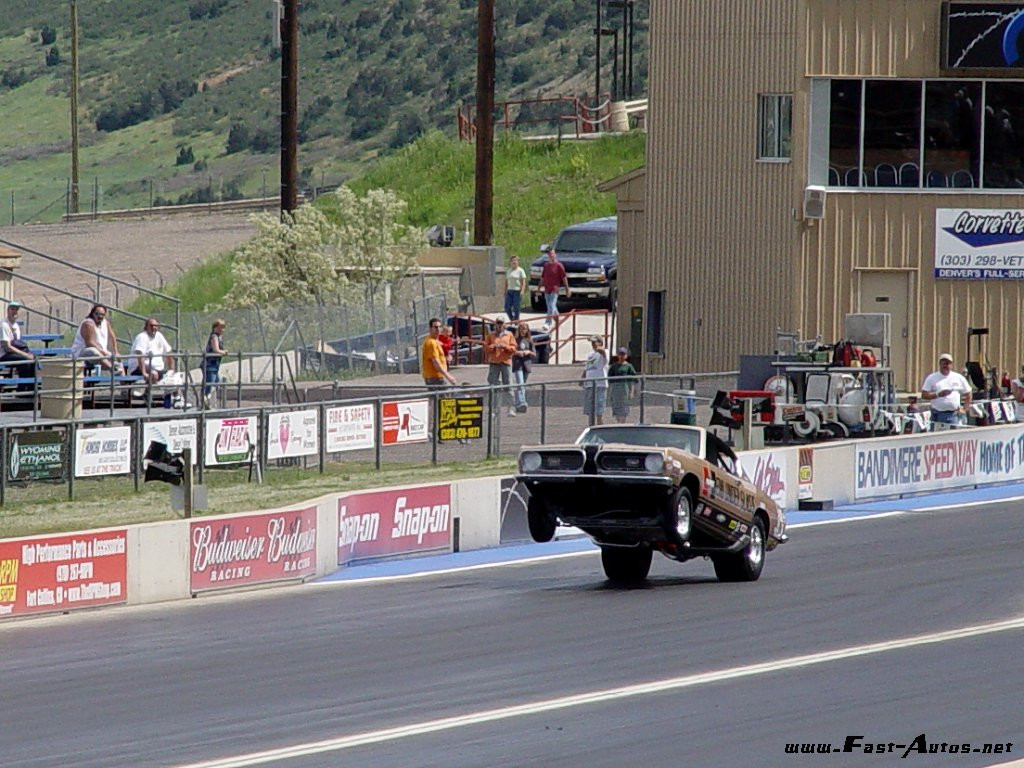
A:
(433, 365)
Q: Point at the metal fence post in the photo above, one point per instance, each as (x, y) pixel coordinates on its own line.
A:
(322, 424)
(435, 399)
(379, 429)
(543, 411)
(490, 419)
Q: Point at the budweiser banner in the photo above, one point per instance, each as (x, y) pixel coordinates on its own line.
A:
(62, 573)
(385, 523)
(251, 549)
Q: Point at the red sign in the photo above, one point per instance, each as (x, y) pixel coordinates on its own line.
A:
(62, 573)
(251, 549)
(401, 522)
(405, 421)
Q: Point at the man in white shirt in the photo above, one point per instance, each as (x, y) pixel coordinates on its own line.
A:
(14, 350)
(947, 391)
(152, 353)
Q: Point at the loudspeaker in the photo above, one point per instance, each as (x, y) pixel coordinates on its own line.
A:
(814, 202)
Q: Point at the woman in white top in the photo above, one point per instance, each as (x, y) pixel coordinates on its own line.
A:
(95, 339)
(595, 381)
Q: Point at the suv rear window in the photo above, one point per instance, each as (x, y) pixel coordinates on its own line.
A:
(586, 240)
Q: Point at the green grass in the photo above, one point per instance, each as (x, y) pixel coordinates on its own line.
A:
(539, 187)
(41, 508)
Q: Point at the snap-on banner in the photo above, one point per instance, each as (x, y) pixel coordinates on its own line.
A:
(385, 523)
(62, 573)
(252, 549)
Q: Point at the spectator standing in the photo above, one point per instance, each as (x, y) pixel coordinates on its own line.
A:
(595, 381)
(522, 364)
(552, 278)
(499, 347)
(433, 365)
(515, 283)
(95, 340)
(947, 391)
(621, 384)
(15, 350)
(447, 344)
(212, 356)
(152, 353)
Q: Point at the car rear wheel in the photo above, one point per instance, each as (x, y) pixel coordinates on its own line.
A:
(626, 565)
(542, 525)
(745, 565)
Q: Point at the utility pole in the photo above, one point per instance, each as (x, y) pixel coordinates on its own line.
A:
(73, 204)
(289, 104)
(484, 198)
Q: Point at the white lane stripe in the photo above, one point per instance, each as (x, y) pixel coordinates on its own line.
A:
(599, 696)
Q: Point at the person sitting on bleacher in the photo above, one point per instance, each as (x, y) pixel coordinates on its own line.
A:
(15, 351)
(95, 341)
(150, 348)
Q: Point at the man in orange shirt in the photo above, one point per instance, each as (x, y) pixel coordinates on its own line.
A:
(433, 365)
(499, 348)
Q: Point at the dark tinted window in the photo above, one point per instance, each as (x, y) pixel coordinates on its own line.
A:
(1004, 134)
(585, 240)
(844, 132)
(952, 133)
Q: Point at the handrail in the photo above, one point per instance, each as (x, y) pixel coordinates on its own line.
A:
(99, 276)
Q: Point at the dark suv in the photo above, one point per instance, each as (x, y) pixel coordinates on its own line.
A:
(588, 253)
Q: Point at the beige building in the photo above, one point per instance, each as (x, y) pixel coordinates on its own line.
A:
(811, 158)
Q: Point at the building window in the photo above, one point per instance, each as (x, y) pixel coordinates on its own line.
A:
(654, 338)
(774, 126)
(918, 134)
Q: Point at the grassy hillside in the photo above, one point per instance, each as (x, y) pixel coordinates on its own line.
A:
(164, 85)
(539, 187)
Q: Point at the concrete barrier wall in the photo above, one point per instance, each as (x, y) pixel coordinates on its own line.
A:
(158, 567)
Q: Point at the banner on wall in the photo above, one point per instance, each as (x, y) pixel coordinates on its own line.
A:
(176, 434)
(294, 433)
(103, 451)
(230, 441)
(36, 455)
(252, 549)
(767, 470)
(384, 523)
(62, 573)
(405, 421)
(806, 474)
(958, 458)
(979, 244)
(350, 428)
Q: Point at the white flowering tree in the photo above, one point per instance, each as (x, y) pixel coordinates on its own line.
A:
(308, 256)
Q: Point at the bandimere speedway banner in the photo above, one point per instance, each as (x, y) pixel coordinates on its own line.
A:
(252, 549)
(950, 459)
(385, 523)
(63, 573)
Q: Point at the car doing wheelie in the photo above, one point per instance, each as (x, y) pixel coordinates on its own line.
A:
(637, 489)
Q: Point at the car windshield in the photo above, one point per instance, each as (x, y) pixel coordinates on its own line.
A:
(593, 241)
(655, 437)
